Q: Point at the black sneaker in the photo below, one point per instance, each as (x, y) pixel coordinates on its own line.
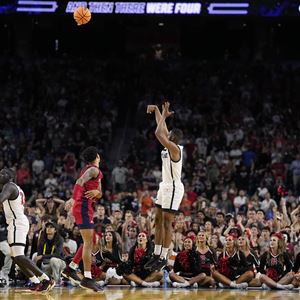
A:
(71, 274)
(152, 260)
(158, 265)
(90, 284)
(46, 285)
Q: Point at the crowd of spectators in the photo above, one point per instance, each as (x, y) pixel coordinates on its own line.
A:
(241, 167)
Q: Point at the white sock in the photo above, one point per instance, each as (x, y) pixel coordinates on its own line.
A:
(164, 253)
(88, 274)
(73, 266)
(279, 286)
(34, 279)
(233, 284)
(157, 249)
(44, 277)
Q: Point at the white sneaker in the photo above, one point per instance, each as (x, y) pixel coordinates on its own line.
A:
(288, 286)
(110, 273)
(132, 283)
(195, 285)
(242, 285)
(265, 287)
(154, 284)
(180, 285)
(101, 283)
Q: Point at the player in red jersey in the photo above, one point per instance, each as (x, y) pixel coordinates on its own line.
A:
(86, 190)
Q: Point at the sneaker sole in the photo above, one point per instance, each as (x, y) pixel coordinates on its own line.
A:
(51, 286)
(65, 275)
(76, 282)
(90, 289)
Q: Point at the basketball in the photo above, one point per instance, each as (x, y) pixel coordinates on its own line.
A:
(82, 15)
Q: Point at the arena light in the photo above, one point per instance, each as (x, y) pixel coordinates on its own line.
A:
(228, 8)
(36, 6)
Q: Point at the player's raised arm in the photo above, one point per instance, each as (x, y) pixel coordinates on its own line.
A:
(9, 192)
(154, 108)
(163, 137)
(88, 175)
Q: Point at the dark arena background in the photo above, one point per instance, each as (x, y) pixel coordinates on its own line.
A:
(231, 72)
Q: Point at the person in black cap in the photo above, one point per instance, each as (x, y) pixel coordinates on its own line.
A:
(50, 251)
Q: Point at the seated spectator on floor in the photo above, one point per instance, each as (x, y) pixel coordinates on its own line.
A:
(50, 256)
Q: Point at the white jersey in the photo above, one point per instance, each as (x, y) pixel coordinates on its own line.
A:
(171, 170)
(14, 209)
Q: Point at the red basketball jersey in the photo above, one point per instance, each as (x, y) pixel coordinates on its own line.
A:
(93, 183)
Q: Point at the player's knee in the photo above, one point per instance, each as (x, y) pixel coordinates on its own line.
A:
(18, 259)
(88, 246)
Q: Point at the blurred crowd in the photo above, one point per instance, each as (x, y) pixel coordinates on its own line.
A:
(241, 167)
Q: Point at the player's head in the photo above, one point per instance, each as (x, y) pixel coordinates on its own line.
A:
(6, 175)
(90, 154)
(175, 135)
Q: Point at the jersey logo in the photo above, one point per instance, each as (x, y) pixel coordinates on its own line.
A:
(22, 197)
(164, 155)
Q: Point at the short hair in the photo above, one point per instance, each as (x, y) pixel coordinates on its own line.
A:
(220, 213)
(89, 154)
(266, 228)
(177, 133)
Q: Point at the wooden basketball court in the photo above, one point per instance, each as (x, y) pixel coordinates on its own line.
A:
(146, 294)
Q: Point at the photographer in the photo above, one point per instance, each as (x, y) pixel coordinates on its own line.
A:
(50, 252)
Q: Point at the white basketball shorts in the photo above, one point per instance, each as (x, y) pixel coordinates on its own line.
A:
(169, 195)
(17, 231)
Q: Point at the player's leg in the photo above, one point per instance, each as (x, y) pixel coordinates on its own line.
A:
(171, 199)
(16, 237)
(83, 213)
(70, 272)
(168, 218)
(41, 281)
(87, 236)
(87, 282)
(159, 230)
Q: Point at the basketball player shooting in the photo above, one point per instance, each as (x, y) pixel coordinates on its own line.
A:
(13, 200)
(171, 189)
